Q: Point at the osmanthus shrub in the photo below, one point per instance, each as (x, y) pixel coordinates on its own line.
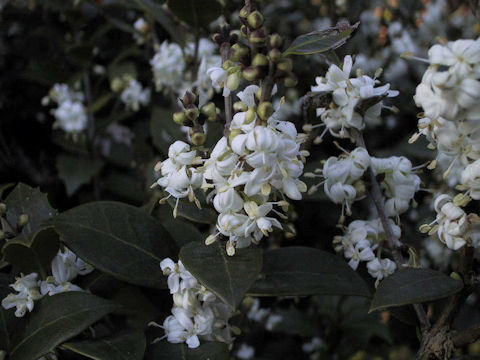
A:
(229, 187)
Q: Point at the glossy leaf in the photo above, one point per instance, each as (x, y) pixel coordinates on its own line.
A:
(229, 277)
(32, 253)
(56, 319)
(76, 172)
(197, 13)
(31, 201)
(207, 350)
(182, 232)
(190, 211)
(321, 41)
(125, 346)
(413, 286)
(118, 239)
(306, 271)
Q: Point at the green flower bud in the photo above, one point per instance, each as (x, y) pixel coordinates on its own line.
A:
(227, 65)
(260, 60)
(22, 220)
(244, 31)
(258, 37)
(179, 117)
(456, 276)
(238, 52)
(192, 113)
(285, 65)
(250, 116)
(234, 80)
(210, 111)
(235, 35)
(243, 13)
(255, 19)
(275, 55)
(291, 80)
(116, 85)
(239, 107)
(189, 98)
(251, 73)
(275, 41)
(265, 110)
(234, 133)
(198, 139)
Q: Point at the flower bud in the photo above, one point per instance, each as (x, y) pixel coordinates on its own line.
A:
(116, 85)
(227, 65)
(235, 35)
(260, 60)
(239, 107)
(456, 276)
(274, 55)
(291, 80)
(360, 188)
(22, 220)
(189, 98)
(243, 13)
(244, 31)
(238, 52)
(218, 39)
(255, 19)
(250, 116)
(258, 37)
(251, 73)
(210, 111)
(233, 80)
(3, 209)
(275, 41)
(285, 65)
(179, 117)
(265, 110)
(188, 123)
(192, 113)
(198, 139)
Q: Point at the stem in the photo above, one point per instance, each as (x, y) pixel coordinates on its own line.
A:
(465, 337)
(224, 49)
(377, 198)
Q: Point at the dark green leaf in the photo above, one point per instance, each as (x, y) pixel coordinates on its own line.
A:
(197, 13)
(321, 41)
(32, 253)
(164, 131)
(229, 277)
(119, 239)
(413, 286)
(207, 350)
(26, 200)
(120, 69)
(125, 346)
(182, 232)
(76, 172)
(164, 19)
(306, 271)
(190, 211)
(7, 318)
(295, 322)
(4, 187)
(56, 319)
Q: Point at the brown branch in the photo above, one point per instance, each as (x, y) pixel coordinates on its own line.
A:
(465, 337)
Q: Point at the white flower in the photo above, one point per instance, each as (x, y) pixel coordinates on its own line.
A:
(272, 321)
(471, 179)
(245, 352)
(461, 55)
(219, 78)
(168, 66)
(140, 25)
(71, 117)
(452, 223)
(134, 95)
(28, 292)
(360, 251)
(258, 220)
(380, 269)
(315, 344)
(247, 96)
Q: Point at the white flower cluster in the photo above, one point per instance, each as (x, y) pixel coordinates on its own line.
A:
(263, 315)
(65, 267)
(196, 313)
(349, 95)
(342, 177)
(259, 163)
(134, 95)
(449, 95)
(360, 240)
(141, 29)
(70, 115)
(169, 68)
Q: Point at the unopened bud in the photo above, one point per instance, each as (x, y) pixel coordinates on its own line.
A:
(274, 55)
(198, 139)
(360, 188)
(189, 98)
(234, 36)
(275, 41)
(238, 52)
(456, 276)
(425, 228)
(265, 110)
(250, 116)
(116, 85)
(243, 13)
(227, 65)
(233, 80)
(244, 31)
(285, 65)
(291, 80)
(255, 19)
(192, 113)
(179, 117)
(258, 37)
(22, 220)
(239, 106)
(251, 73)
(260, 60)
(210, 111)
(158, 166)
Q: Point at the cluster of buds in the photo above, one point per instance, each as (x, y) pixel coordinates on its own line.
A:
(194, 117)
